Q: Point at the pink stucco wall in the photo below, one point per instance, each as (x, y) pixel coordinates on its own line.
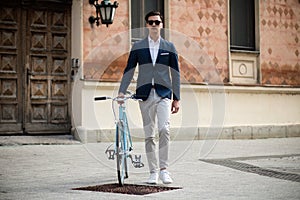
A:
(279, 42)
(204, 22)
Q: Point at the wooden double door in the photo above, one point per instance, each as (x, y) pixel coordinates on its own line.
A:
(35, 67)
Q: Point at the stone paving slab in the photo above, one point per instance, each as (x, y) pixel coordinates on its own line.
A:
(51, 171)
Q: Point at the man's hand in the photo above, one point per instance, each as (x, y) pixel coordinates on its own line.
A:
(121, 95)
(175, 106)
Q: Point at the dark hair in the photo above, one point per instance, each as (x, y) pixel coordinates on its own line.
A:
(153, 13)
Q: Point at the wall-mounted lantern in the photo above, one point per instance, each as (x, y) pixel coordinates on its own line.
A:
(104, 11)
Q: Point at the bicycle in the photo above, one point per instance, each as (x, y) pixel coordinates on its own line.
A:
(123, 142)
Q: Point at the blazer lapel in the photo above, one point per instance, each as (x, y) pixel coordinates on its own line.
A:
(146, 50)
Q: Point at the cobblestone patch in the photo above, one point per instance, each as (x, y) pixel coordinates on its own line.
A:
(245, 167)
(128, 189)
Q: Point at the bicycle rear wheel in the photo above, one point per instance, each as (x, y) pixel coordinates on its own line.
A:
(121, 155)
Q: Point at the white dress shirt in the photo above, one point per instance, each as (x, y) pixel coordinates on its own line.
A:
(153, 47)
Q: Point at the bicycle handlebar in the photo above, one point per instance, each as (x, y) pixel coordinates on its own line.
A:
(101, 98)
(120, 99)
(113, 99)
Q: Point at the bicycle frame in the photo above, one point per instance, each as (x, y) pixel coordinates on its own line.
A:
(126, 132)
(123, 143)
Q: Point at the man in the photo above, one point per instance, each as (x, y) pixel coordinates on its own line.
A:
(158, 82)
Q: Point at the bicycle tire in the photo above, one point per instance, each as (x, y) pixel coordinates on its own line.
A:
(121, 156)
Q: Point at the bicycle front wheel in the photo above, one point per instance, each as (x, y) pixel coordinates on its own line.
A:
(121, 155)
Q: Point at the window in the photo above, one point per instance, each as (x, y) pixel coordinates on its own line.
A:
(242, 25)
(139, 8)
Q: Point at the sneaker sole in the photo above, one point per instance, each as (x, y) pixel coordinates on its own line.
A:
(167, 182)
(152, 183)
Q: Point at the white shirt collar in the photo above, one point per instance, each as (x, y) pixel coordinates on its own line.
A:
(152, 41)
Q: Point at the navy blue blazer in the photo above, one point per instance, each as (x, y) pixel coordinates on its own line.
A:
(165, 72)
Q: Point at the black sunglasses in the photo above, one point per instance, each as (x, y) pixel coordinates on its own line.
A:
(150, 22)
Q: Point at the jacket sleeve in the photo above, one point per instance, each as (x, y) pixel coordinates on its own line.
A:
(175, 73)
(129, 70)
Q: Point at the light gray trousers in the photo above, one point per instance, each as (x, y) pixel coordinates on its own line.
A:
(156, 108)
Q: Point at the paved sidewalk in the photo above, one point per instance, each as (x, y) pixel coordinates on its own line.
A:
(212, 169)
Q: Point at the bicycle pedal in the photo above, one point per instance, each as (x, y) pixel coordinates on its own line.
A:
(137, 163)
(110, 153)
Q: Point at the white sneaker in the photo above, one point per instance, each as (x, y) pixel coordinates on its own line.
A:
(153, 179)
(165, 177)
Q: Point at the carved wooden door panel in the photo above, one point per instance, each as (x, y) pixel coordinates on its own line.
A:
(47, 69)
(34, 67)
(11, 107)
